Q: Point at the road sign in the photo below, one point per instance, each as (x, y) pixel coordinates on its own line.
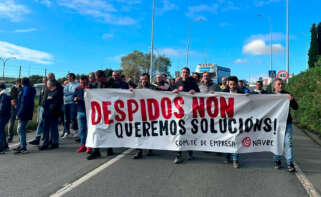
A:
(282, 74)
(272, 73)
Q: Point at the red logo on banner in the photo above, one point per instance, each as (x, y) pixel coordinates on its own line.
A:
(246, 142)
(180, 88)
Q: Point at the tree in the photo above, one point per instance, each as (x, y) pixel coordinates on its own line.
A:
(35, 79)
(136, 63)
(108, 72)
(319, 38)
(313, 52)
(318, 62)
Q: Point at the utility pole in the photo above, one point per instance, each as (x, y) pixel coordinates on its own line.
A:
(20, 72)
(287, 38)
(189, 39)
(4, 61)
(152, 44)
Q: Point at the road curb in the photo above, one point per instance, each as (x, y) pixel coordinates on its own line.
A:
(314, 137)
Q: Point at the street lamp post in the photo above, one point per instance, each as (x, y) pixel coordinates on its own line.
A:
(210, 42)
(287, 38)
(189, 37)
(271, 46)
(4, 61)
(152, 44)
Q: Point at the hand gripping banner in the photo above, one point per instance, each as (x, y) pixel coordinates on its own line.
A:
(220, 122)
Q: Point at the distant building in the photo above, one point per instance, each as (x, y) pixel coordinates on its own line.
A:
(216, 72)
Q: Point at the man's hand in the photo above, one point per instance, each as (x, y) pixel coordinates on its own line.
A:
(212, 92)
(192, 92)
(175, 91)
(13, 102)
(17, 118)
(246, 94)
(290, 97)
(76, 99)
(131, 89)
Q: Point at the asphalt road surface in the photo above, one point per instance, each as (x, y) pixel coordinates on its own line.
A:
(64, 172)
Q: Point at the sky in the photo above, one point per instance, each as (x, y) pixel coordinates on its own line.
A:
(82, 36)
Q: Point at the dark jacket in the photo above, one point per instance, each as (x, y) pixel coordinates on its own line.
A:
(262, 92)
(42, 94)
(244, 89)
(26, 103)
(60, 91)
(293, 105)
(5, 105)
(149, 86)
(52, 104)
(119, 84)
(80, 94)
(239, 91)
(187, 85)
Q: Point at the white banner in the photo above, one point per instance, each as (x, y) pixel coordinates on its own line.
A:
(220, 122)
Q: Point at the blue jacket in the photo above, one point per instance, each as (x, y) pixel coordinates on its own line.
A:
(26, 103)
(5, 105)
(69, 90)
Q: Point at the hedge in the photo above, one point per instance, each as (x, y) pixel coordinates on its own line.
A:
(306, 89)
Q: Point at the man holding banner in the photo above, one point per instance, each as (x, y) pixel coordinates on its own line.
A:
(185, 84)
(278, 89)
(144, 84)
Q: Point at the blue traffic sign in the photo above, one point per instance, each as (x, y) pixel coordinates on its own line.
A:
(272, 73)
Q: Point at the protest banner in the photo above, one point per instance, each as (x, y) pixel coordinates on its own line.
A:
(220, 122)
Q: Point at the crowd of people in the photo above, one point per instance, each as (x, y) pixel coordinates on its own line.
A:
(65, 103)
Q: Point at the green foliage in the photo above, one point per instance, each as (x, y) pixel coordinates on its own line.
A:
(306, 89)
(319, 37)
(136, 63)
(318, 62)
(315, 46)
(35, 79)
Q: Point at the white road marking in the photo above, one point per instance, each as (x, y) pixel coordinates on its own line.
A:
(89, 175)
(308, 186)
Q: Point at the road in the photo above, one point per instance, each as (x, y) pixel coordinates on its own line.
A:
(44, 173)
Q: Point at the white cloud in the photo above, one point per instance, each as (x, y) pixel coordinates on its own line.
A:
(194, 11)
(219, 6)
(25, 30)
(240, 61)
(98, 9)
(260, 3)
(107, 35)
(22, 53)
(13, 11)
(258, 47)
(276, 37)
(44, 2)
(177, 52)
(167, 6)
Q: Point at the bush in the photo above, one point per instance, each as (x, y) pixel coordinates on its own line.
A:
(306, 89)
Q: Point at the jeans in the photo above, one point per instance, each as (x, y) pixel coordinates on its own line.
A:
(22, 132)
(288, 146)
(235, 156)
(11, 122)
(70, 115)
(3, 141)
(82, 123)
(50, 132)
(40, 123)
